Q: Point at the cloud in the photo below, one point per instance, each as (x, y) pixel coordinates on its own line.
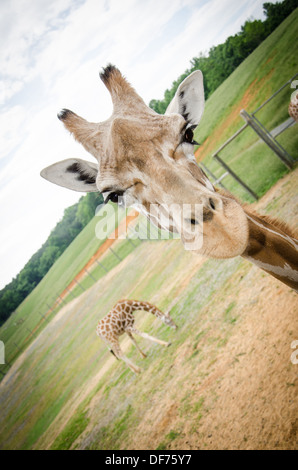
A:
(208, 25)
(24, 28)
(11, 122)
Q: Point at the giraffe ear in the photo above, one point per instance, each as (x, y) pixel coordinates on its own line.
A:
(73, 173)
(189, 99)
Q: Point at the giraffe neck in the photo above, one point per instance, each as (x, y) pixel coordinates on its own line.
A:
(147, 307)
(164, 317)
(272, 250)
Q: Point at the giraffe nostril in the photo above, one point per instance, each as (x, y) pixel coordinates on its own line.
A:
(207, 215)
(212, 204)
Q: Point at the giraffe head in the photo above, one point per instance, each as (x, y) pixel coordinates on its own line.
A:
(167, 320)
(146, 160)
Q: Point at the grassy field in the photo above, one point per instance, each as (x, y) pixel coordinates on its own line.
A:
(236, 324)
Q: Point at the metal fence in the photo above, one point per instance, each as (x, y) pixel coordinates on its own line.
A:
(269, 137)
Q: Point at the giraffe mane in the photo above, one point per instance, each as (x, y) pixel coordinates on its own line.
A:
(278, 224)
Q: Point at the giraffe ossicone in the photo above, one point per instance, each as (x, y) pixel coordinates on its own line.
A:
(120, 320)
(146, 160)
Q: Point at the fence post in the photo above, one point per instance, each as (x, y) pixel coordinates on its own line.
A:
(101, 265)
(216, 180)
(236, 177)
(79, 285)
(17, 347)
(114, 253)
(89, 274)
(134, 233)
(130, 241)
(31, 332)
(262, 132)
(62, 300)
(70, 292)
(50, 308)
(43, 317)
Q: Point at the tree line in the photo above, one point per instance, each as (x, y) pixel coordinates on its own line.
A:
(74, 219)
(224, 58)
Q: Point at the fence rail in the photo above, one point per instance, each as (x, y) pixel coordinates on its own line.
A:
(268, 137)
(265, 135)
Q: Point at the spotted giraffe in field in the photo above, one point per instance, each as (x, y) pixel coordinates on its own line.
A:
(120, 320)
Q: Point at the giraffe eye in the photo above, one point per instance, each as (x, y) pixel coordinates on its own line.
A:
(188, 136)
(114, 197)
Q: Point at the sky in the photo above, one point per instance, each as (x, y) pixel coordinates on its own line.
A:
(51, 54)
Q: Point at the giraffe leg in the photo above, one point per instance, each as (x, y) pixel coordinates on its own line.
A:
(120, 355)
(146, 336)
(136, 344)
